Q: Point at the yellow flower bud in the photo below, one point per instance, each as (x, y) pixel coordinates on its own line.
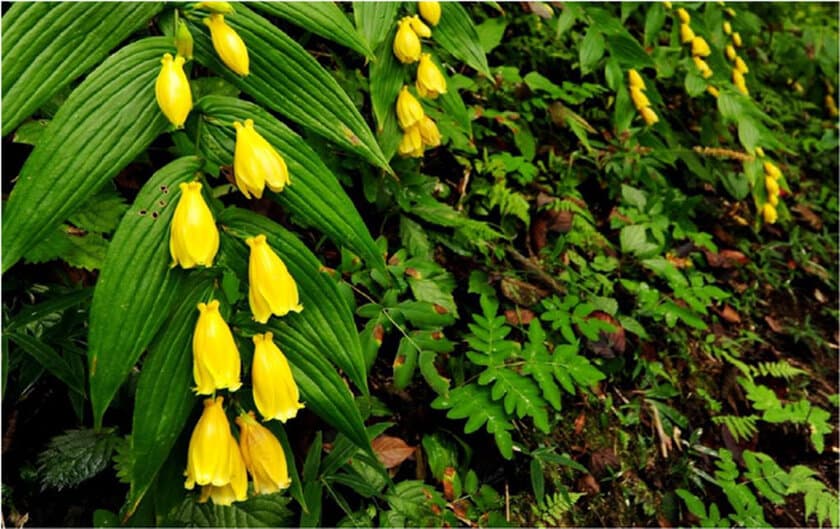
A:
(263, 456)
(406, 43)
(228, 44)
(727, 28)
(412, 142)
(271, 289)
(639, 98)
(430, 82)
(209, 459)
(772, 171)
(771, 185)
(731, 54)
(686, 33)
(419, 27)
(700, 48)
(713, 90)
(184, 41)
(769, 213)
(275, 392)
(430, 11)
(667, 5)
(635, 79)
(193, 236)
(215, 356)
(740, 65)
(237, 489)
(759, 152)
(409, 110)
(172, 90)
(223, 8)
(729, 11)
(685, 18)
(739, 82)
(703, 66)
(256, 163)
(649, 115)
(429, 132)
(736, 39)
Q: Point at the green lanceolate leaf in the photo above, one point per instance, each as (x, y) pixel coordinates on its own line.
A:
(322, 18)
(104, 124)
(326, 320)
(50, 360)
(456, 33)
(315, 195)
(386, 78)
(164, 396)
(288, 80)
(48, 45)
(374, 19)
(137, 287)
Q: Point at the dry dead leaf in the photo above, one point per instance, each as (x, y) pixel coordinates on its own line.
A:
(729, 314)
(391, 451)
(519, 316)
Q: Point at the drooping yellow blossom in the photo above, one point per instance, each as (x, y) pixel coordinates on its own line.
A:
(772, 185)
(713, 90)
(649, 115)
(731, 54)
(736, 39)
(729, 11)
(771, 170)
(686, 33)
(256, 163)
(703, 67)
(409, 110)
(769, 213)
(667, 5)
(700, 48)
(263, 456)
(635, 79)
(429, 132)
(639, 98)
(215, 356)
(271, 289)
(193, 236)
(172, 90)
(208, 457)
(430, 11)
(430, 82)
(184, 41)
(685, 18)
(275, 392)
(228, 44)
(727, 28)
(237, 489)
(406, 42)
(740, 65)
(739, 82)
(419, 27)
(224, 8)
(411, 143)
(759, 152)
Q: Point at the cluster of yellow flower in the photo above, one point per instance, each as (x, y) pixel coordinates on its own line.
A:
(640, 100)
(699, 47)
(419, 130)
(739, 67)
(772, 175)
(215, 460)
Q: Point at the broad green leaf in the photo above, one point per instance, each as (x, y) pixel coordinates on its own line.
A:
(75, 456)
(288, 80)
(322, 18)
(386, 79)
(374, 20)
(164, 395)
(137, 287)
(263, 510)
(456, 34)
(49, 359)
(48, 45)
(591, 49)
(628, 51)
(315, 196)
(104, 124)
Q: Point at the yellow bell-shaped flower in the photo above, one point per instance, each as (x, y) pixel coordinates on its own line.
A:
(713, 91)
(649, 115)
(406, 43)
(419, 27)
(685, 18)
(686, 33)
(256, 163)
(430, 82)
(429, 132)
(228, 44)
(208, 456)
(430, 11)
(412, 142)
(741, 66)
(731, 54)
(772, 171)
(193, 236)
(409, 110)
(703, 66)
(271, 289)
(275, 392)
(727, 28)
(172, 90)
(771, 185)
(263, 456)
(769, 213)
(639, 98)
(215, 356)
(736, 39)
(700, 48)
(739, 82)
(237, 489)
(635, 79)
(759, 152)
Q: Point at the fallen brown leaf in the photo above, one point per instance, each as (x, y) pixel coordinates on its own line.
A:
(774, 325)
(519, 316)
(391, 451)
(729, 314)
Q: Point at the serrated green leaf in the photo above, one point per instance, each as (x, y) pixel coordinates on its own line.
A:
(288, 80)
(314, 195)
(137, 287)
(474, 403)
(521, 395)
(48, 45)
(101, 213)
(75, 456)
(104, 124)
(374, 20)
(322, 18)
(263, 510)
(456, 34)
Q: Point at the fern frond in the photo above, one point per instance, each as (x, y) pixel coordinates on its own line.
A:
(552, 511)
(473, 402)
(741, 428)
(780, 369)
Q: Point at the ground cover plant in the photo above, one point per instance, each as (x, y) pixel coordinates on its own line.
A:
(420, 264)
